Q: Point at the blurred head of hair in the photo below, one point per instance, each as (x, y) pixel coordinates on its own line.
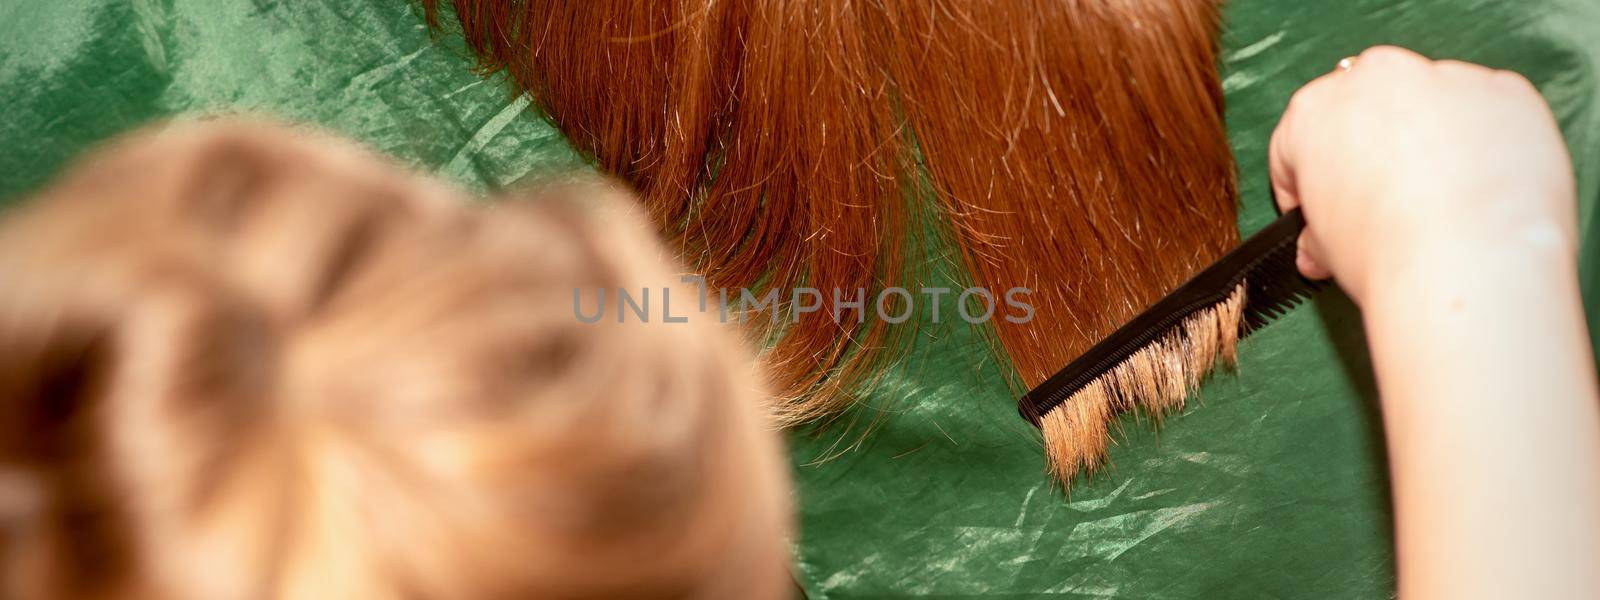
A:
(239, 361)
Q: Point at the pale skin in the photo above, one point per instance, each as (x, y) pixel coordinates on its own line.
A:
(1439, 194)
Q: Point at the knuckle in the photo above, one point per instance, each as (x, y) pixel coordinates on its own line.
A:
(1297, 102)
(1304, 97)
(1388, 55)
(1511, 80)
(1459, 66)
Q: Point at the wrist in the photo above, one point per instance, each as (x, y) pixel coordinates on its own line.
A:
(1504, 241)
(1451, 301)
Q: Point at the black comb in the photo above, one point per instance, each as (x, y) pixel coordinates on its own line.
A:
(1265, 263)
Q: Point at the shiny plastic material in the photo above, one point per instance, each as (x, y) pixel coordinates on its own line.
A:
(1272, 486)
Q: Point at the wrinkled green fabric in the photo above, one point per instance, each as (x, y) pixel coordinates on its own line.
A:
(1273, 485)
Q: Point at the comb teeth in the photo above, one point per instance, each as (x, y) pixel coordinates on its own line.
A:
(1159, 379)
(1273, 287)
(1157, 359)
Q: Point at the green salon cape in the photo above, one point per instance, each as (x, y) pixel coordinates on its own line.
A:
(1272, 485)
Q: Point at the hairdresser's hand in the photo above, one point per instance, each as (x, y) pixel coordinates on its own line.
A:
(1402, 161)
(1440, 195)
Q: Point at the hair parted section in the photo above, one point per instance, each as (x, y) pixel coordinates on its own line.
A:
(1072, 148)
(244, 362)
(1158, 379)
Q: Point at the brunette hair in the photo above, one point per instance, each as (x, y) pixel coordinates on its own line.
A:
(242, 362)
(1075, 149)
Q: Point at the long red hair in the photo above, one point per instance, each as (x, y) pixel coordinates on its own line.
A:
(1075, 148)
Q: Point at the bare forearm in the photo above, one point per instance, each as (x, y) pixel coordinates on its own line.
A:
(1493, 425)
